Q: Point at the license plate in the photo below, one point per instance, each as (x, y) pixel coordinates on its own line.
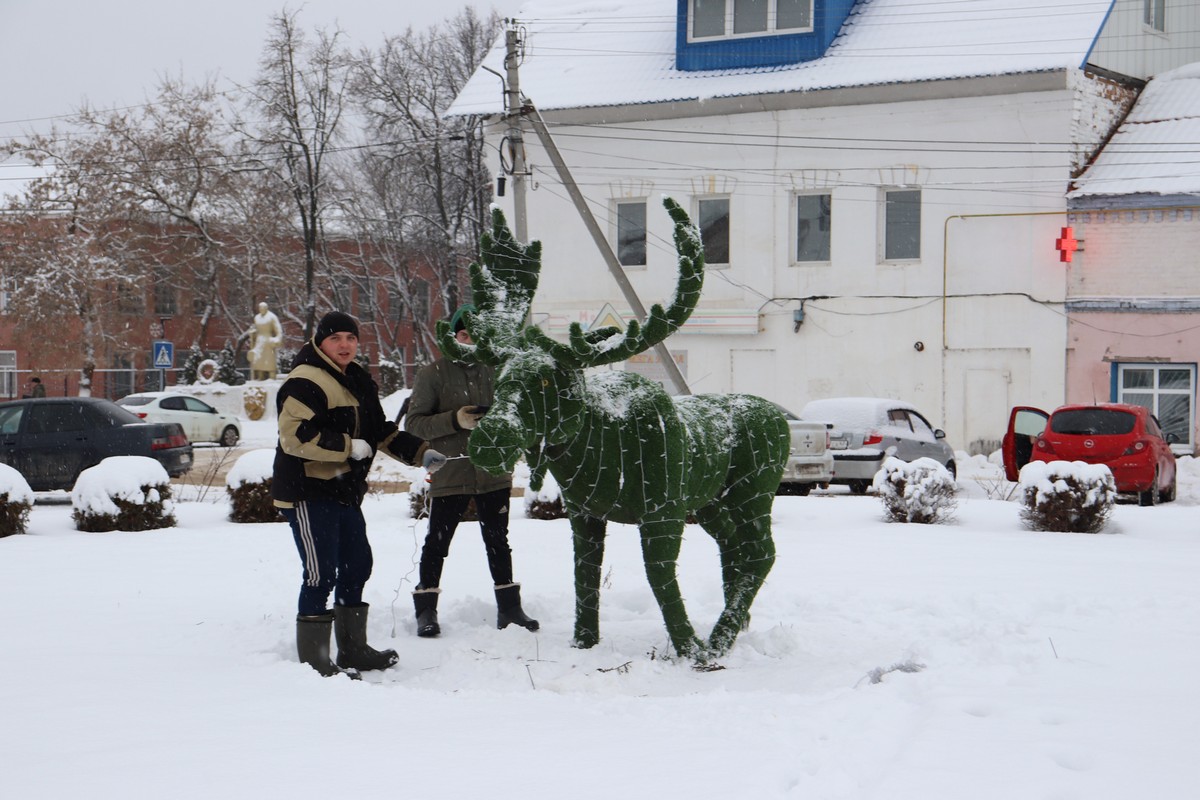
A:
(837, 444)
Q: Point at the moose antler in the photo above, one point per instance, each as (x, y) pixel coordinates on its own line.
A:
(503, 283)
(610, 344)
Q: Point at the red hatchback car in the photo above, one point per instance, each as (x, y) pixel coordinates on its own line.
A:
(1125, 438)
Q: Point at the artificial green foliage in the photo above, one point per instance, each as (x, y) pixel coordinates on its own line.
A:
(620, 447)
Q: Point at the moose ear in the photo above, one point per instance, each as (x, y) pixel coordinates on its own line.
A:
(451, 348)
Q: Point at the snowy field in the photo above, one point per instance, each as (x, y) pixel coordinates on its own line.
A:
(974, 659)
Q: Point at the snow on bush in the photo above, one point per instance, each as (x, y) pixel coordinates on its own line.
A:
(123, 493)
(16, 498)
(921, 491)
(249, 487)
(544, 502)
(418, 500)
(1066, 496)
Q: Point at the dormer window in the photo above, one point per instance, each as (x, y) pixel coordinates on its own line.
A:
(712, 19)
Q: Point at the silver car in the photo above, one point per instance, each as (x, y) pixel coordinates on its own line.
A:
(866, 430)
(810, 462)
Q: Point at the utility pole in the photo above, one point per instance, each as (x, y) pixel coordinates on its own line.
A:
(610, 258)
(515, 108)
(516, 136)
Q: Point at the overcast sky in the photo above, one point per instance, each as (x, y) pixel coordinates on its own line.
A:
(56, 53)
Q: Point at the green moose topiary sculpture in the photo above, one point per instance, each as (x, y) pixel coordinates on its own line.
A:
(620, 447)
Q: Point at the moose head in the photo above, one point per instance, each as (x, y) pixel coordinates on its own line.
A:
(620, 447)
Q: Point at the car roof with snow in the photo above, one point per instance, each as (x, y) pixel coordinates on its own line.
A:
(852, 412)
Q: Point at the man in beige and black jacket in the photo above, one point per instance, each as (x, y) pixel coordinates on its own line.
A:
(330, 426)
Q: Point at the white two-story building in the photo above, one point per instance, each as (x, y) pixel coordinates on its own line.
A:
(880, 184)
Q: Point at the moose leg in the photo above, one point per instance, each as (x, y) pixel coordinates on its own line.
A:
(747, 555)
(660, 551)
(588, 536)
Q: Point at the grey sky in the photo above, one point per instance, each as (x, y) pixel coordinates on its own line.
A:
(56, 53)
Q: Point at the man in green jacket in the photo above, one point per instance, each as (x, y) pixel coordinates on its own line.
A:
(447, 402)
(330, 426)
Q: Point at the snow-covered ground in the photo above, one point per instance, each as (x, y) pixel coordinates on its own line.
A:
(974, 659)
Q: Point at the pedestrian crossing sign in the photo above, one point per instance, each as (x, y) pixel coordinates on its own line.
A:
(163, 355)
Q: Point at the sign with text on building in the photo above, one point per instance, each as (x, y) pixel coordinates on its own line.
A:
(649, 365)
(162, 355)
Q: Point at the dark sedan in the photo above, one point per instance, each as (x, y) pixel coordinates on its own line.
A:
(51, 440)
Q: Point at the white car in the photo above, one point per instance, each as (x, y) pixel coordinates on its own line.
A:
(201, 422)
(810, 462)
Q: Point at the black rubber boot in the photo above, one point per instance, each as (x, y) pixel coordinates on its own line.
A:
(508, 608)
(353, 651)
(312, 645)
(425, 601)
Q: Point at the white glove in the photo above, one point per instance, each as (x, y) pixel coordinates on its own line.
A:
(468, 417)
(433, 460)
(360, 449)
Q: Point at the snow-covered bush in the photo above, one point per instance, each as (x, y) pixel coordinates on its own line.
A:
(16, 498)
(1066, 496)
(418, 500)
(921, 491)
(543, 498)
(123, 493)
(249, 487)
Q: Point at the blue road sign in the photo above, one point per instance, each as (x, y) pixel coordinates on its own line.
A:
(162, 356)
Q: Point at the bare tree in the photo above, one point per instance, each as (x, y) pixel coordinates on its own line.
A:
(74, 264)
(299, 100)
(422, 187)
(173, 160)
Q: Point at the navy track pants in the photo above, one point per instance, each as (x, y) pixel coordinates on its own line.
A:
(332, 541)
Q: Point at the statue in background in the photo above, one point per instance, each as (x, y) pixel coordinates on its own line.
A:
(265, 338)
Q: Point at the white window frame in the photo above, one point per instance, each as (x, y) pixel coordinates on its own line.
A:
(729, 228)
(616, 230)
(8, 373)
(1184, 445)
(1154, 15)
(795, 229)
(770, 30)
(884, 209)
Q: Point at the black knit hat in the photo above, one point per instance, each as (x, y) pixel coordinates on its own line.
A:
(334, 322)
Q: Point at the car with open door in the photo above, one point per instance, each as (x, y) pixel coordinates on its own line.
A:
(1125, 438)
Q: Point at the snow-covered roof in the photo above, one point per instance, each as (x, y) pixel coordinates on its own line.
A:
(599, 53)
(1154, 150)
